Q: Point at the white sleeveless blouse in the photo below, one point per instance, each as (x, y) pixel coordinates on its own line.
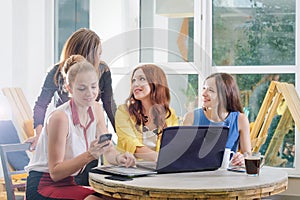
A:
(76, 143)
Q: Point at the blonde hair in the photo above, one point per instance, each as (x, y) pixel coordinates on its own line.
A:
(74, 65)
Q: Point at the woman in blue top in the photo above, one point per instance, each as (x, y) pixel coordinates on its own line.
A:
(222, 106)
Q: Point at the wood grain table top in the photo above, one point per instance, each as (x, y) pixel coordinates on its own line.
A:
(219, 184)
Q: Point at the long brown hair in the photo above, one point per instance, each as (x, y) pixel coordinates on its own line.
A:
(84, 42)
(159, 95)
(228, 92)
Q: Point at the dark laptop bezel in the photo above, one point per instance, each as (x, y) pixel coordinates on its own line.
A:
(195, 135)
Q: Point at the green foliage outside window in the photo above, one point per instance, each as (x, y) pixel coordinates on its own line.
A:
(263, 34)
(254, 34)
(270, 37)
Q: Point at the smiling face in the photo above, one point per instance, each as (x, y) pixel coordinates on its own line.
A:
(82, 83)
(140, 86)
(210, 94)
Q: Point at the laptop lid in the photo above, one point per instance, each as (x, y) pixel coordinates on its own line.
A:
(191, 148)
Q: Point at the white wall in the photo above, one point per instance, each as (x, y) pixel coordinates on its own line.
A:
(114, 21)
(105, 17)
(25, 50)
(26, 45)
(5, 51)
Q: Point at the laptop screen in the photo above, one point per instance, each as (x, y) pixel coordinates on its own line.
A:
(191, 148)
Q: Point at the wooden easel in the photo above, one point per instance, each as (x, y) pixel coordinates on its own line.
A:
(276, 94)
(22, 113)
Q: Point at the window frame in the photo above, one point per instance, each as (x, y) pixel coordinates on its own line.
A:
(203, 53)
(206, 13)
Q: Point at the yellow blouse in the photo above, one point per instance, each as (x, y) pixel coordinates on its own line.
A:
(128, 136)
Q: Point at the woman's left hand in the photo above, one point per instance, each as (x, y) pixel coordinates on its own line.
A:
(237, 159)
(126, 159)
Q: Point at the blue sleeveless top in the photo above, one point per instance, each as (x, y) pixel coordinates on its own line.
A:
(231, 121)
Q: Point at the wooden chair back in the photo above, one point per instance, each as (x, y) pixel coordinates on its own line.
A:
(22, 112)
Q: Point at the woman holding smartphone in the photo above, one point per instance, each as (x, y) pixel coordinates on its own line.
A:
(70, 139)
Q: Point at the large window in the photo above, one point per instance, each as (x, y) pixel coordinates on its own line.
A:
(254, 32)
(258, 36)
(253, 40)
(167, 38)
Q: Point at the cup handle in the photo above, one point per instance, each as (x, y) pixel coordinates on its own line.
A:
(262, 160)
(231, 152)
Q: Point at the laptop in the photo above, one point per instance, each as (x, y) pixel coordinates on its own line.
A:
(183, 149)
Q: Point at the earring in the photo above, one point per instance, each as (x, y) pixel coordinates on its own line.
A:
(132, 101)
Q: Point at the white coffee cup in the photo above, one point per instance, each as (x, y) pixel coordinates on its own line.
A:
(226, 158)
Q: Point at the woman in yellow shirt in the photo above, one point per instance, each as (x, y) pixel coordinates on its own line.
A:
(140, 121)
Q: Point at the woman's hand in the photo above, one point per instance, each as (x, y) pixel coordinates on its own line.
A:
(33, 140)
(237, 159)
(97, 149)
(126, 159)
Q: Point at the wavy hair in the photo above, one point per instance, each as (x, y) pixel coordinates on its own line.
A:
(159, 95)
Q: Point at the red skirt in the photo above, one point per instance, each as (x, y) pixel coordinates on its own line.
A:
(44, 186)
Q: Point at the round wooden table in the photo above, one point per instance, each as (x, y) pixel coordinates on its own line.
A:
(219, 184)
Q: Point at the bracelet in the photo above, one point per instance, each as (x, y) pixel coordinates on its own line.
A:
(116, 158)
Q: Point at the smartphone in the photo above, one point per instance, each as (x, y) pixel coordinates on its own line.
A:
(118, 178)
(104, 137)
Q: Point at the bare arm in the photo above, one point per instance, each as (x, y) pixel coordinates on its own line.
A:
(245, 143)
(111, 154)
(244, 129)
(101, 126)
(146, 153)
(57, 129)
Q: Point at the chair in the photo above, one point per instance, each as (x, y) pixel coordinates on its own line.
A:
(10, 186)
(15, 160)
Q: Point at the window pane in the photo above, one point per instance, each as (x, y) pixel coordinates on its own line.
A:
(278, 150)
(69, 16)
(180, 43)
(254, 33)
(184, 92)
(165, 37)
